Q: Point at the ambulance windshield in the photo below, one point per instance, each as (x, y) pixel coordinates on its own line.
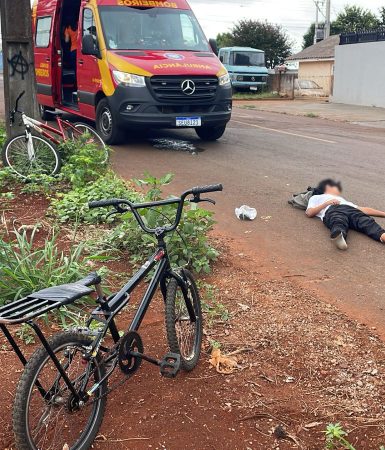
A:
(128, 28)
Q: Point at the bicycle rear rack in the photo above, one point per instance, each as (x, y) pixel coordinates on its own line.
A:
(29, 308)
(26, 309)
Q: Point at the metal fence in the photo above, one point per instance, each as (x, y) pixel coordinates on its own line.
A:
(362, 36)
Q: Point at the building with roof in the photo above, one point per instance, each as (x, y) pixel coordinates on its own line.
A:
(316, 63)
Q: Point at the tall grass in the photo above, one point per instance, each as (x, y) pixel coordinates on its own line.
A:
(25, 267)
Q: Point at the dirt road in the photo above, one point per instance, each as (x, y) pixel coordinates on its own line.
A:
(262, 159)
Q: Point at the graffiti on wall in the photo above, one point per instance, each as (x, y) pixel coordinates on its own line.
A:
(19, 65)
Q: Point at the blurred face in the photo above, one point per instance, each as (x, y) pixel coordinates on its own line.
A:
(333, 190)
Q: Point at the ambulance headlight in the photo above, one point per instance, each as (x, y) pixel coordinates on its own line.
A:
(224, 80)
(128, 79)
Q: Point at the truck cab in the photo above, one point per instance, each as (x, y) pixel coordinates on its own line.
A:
(246, 67)
(129, 64)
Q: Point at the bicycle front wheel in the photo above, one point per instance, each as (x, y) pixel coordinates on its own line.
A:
(93, 137)
(31, 155)
(183, 334)
(46, 414)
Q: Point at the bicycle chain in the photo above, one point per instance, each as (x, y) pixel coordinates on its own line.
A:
(109, 390)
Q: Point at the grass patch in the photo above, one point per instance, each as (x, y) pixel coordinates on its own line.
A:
(26, 267)
(311, 115)
(256, 96)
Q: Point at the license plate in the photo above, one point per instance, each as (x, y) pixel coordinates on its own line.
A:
(253, 88)
(188, 121)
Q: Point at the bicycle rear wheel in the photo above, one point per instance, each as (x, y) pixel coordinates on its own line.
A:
(28, 155)
(54, 419)
(86, 130)
(184, 335)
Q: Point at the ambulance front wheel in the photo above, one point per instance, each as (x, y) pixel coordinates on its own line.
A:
(106, 123)
(210, 133)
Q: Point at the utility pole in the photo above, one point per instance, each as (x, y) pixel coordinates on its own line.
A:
(318, 36)
(328, 17)
(316, 21)
(18, 58)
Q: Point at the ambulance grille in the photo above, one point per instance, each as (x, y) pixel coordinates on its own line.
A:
(169, 88)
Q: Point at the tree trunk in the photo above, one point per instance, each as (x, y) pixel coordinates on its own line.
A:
(18, 58)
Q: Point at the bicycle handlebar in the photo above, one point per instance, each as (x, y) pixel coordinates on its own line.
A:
(134, 207)
(205, 189)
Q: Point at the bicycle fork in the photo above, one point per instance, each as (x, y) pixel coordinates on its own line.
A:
(30, 147)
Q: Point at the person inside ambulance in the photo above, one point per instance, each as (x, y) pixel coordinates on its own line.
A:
(71, 38)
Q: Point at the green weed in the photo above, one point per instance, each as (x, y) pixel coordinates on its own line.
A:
(26, 334)
(336, 437)
(25, 268)
(190, 246)
(72, 206)
(82, 162)
(211, 307)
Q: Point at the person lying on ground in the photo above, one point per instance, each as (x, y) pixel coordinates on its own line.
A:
(340, 215)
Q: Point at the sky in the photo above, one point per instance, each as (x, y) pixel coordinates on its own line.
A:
(295, 16)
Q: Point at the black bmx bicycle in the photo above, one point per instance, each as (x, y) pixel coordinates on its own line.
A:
(61, 396)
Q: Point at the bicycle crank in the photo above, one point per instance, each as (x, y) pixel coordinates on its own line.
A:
(130, 347)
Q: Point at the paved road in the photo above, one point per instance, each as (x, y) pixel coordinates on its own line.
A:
(263, 158)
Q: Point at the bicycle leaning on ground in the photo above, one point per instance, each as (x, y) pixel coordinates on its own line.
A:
(61, 396)
(28, 154)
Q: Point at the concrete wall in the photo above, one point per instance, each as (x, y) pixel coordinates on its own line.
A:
(321, 72)
(359, 76)
(283, 83)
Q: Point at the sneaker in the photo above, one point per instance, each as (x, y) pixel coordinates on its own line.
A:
(340, 242)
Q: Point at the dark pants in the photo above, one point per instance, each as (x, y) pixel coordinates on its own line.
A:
(72, 59)
(341, 218)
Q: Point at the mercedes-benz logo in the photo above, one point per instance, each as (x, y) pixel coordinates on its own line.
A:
(188, 87)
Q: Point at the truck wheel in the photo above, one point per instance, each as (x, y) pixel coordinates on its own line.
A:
(210, 133)
(106, 123)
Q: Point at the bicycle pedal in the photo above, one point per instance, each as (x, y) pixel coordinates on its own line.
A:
(170, 365)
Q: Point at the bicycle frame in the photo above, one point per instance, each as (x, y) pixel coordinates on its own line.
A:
(45, 129)
(110, 307)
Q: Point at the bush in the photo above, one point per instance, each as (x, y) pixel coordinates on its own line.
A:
(25, 269)
(188, 246)
(3, 134)
(82, 161)
(73, 205)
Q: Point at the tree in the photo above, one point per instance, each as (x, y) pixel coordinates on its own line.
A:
(355, 18)
(308, 37)
(225, 40)
(262, 35)
(382, 16)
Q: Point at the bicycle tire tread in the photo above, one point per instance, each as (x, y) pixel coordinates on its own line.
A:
(172, 287)
(34, 135)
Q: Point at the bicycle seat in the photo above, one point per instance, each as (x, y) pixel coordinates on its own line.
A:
(68, 293)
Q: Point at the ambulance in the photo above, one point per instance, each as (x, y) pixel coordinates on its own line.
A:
(129, 64)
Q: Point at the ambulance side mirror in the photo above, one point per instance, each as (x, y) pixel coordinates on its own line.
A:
(90, 46)
(214, 45)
